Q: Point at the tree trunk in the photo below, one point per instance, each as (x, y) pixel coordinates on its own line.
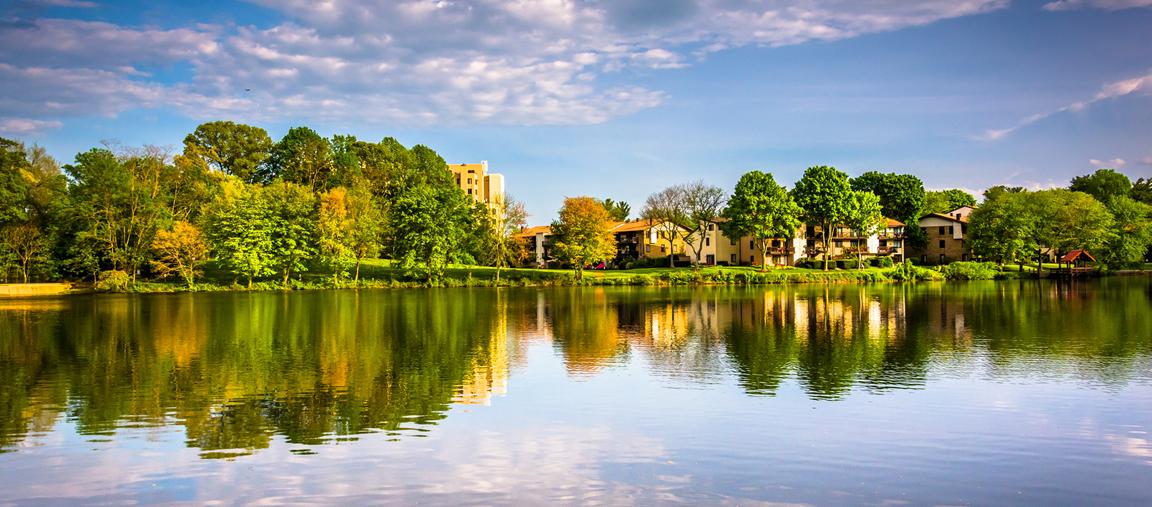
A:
(859, 258)
(497, 284)
(824, 241)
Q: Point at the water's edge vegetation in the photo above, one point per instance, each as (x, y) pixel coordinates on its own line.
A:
(382, 274)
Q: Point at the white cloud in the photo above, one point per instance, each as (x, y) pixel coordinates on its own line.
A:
(420, 62)
(1142, 84)
(72, 4)
(26, 126)
(1115, 163)
(1146, 160)
(1112, 5)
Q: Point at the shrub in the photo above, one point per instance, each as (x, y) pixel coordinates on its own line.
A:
(809, 263)
(847, 264)
(908, 272)
(881, 262)
(113, 281)
(970, 271)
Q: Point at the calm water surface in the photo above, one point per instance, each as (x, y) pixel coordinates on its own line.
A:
(982, 393)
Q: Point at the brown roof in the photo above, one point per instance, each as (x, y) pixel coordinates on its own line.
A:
(894, 223)
(1071, 257)
(534, 230)
(635, 225)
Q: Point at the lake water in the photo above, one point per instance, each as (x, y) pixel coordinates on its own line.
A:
(1015, 392)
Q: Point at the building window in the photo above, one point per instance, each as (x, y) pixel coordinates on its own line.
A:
(751, 259)
(941, 230)
(647, 248)
(951, 229)
(661, 248)
(751, 244)
(733, 241)
(711, 227)
(707, 241)
(941, 244)
(733, 257)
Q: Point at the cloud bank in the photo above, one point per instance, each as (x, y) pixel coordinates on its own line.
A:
(1142, 84)
(416, 62)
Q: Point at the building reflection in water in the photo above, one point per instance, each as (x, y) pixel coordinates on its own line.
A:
(237, 370)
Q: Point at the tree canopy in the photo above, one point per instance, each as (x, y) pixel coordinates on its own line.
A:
(762, 209)
(823, 194)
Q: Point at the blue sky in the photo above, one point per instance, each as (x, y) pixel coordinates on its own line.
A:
(612, 99)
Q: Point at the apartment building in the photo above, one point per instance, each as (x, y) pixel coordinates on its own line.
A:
(945, 234)
(478, 183)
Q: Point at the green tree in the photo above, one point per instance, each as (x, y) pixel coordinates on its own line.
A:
(1142, 191)
(1104, 184)
(239, 229)
(1001, 229)
(1132, 235)
(618, 210)
(292, 209)
(501, 248)
(429, 224)
(582, 233)
(234, 148)
(26, 244)
(117, 206)
(901, 195)
(365, 221)
(13, 186)
(943, 201)
(762, 209)
(302, 156)
(865, 216)
(823, 193)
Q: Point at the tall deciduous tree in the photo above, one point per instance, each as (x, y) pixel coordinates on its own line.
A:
(117, 206)
(292, 209)
(180, 251)
(234, 148)
(1133, 232)
(1001, 229)
(365, 222)
(500, 246)
(865, 216)
(303, 157)
(702, 205)
(582, 233)
(334, 233)
(27, 244)
(901, 195)
(667, 211)
(1104, 184)
(823, 193)
(943, 201)
(239, 229)
(762, 209)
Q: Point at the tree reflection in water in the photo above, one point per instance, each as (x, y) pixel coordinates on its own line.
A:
(236, 370)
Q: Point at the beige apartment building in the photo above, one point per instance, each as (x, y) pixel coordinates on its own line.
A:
(478, 183)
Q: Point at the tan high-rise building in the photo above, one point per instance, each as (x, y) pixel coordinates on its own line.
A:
(478, 183)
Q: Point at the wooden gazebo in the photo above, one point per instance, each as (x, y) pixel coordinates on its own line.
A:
(1076, 261)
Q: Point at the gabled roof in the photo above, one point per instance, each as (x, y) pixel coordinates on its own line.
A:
(638, 225)
(894, 223)
(534, 230)
(963, 220)
(1071, 257)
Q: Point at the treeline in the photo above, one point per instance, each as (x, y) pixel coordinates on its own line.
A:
(262, 210)
(1104, 212)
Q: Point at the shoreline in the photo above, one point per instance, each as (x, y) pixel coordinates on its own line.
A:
(478, 277)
